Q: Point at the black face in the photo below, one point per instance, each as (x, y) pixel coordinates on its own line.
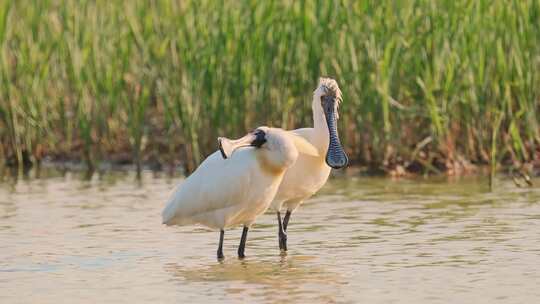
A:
(335, 156)
(260, 138)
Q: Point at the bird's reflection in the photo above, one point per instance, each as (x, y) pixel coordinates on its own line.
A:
(285, 278)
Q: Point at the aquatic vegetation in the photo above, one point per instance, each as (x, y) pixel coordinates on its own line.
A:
(90, 79)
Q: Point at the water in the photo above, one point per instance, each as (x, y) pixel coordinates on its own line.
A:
(66, 240)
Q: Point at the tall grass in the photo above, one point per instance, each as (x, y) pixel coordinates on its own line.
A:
(88, 79)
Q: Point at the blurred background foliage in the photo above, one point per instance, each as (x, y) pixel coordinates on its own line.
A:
(427, 84)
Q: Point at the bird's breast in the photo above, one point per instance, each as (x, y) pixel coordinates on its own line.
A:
(303, 179)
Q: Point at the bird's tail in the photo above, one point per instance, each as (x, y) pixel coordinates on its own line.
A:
(167, 215)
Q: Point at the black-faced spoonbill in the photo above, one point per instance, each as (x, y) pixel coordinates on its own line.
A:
(236, 184)
(310, 173)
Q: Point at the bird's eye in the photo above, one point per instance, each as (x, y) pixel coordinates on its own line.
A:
(325, 89)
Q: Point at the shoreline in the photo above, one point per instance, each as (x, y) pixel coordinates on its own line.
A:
(396, 171)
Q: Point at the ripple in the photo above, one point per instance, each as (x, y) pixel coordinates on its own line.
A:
(359, 240)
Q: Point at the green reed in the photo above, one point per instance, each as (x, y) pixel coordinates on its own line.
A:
(89, 78)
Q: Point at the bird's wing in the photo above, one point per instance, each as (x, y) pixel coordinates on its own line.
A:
(306, 133)
(216, 184)
(305, 146)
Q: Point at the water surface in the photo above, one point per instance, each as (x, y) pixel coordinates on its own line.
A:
(67, 240)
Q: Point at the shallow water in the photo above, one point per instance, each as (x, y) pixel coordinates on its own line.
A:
(66, 240)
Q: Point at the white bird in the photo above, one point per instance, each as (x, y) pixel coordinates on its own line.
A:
(310, 173)
(235, 186)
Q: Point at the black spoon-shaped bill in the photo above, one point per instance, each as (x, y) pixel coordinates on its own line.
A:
(335, 156)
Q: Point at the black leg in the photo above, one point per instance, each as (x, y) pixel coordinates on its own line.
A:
(220, 255)
(285, 224)
(286, 220)
(281, 234)
(242, 246)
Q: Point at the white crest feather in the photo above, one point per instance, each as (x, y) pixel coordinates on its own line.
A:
(331, 88)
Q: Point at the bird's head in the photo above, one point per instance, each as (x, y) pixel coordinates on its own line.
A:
(255, 139)
(328, 97)
(280, 147)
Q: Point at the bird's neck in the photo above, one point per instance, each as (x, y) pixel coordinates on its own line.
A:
(279, 155)
(321, 134)
(269, 166)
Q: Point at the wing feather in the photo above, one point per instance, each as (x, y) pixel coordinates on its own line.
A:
(216, 184)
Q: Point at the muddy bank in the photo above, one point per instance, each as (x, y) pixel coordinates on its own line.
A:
(424, 166)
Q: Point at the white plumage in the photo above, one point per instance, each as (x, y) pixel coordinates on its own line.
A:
(310, 173)
(218, 194)
(222, 193)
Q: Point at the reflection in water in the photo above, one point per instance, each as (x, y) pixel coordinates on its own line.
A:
(287, 279)
(68, 239)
